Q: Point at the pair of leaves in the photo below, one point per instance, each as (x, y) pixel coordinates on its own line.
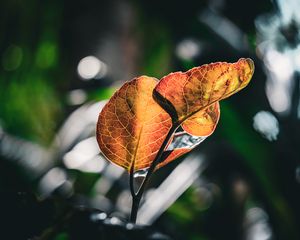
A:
(135, 122)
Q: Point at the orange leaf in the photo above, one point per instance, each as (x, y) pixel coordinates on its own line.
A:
(204, 122)
(132, 126)
(185, 94)
(176, 153)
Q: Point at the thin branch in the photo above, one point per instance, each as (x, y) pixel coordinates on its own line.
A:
(136, 197)
(131, 181)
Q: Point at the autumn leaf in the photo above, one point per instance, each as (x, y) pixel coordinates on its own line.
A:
(199, 126)
(138, 118)
(132, 126)
(204, 122)
(191, 98)
(184, 95)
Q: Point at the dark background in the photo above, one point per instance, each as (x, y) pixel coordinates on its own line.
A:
(53, 182)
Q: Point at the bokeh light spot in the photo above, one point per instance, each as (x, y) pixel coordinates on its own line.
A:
(46, 55)
(91, 67)
(188, 49)
(76, 97)
(12, 58)
(267, 124)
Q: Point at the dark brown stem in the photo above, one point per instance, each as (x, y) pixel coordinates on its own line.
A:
(131, 181)
(137, 196)
(134, 208)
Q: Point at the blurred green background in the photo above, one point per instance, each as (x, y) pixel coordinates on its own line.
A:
(60, 59)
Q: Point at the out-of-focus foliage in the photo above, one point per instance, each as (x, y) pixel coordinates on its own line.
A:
(30, 57)
(59, 59)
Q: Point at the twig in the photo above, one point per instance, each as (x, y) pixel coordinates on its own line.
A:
(137, 196)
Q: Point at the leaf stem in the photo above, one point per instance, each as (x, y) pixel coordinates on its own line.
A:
(137, 196)
(131, 181)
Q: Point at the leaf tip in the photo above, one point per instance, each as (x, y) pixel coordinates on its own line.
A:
(251, 66)
(246, 68)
